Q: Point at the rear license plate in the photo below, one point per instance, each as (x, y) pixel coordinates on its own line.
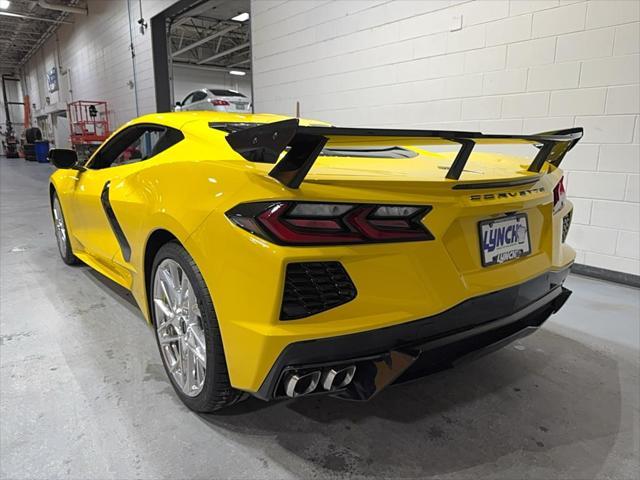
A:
(504, 239)
(241, 106)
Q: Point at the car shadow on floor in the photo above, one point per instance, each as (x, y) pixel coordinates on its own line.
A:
(518, 405)
(544, 407)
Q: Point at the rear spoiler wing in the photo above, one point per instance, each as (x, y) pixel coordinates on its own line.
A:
(265, 143)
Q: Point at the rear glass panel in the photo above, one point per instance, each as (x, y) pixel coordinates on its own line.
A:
(363, 152)
(371, 152)
(226, 93)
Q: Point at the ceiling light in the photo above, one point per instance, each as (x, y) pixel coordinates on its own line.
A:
(4, 4)
(237, 72)
(241, 17)
(31, 17)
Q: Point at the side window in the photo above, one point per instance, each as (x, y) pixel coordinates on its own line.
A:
(197, 96)
(188, 99)
(139, 149)
(135, 144)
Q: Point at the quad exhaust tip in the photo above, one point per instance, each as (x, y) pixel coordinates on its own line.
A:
(297, 384)
(333, 379)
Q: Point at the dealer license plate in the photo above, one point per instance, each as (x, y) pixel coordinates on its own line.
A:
(504, 239)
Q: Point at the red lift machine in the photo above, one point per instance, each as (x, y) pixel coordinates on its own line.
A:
(89, 125)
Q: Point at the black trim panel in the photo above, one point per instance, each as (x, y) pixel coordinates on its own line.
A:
(113, 222)
(505, 183)
(467, 319)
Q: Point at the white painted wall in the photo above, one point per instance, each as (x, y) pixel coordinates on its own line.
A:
(188, 79)
(95, 53)
(518, 66)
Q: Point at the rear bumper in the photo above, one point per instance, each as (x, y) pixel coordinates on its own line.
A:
(410, 350)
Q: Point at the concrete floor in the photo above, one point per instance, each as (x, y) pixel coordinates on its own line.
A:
(83, 393)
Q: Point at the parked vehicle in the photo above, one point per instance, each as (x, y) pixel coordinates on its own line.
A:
(216, 99)
(281, 257)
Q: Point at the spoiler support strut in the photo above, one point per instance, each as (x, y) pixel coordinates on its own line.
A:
(457, 167)
(265, 143)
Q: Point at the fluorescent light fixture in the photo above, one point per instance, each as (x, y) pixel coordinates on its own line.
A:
(4, 4)
(241, 17)
(240, 73)
(31, 17)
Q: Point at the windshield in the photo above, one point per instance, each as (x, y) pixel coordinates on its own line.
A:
(225, 93)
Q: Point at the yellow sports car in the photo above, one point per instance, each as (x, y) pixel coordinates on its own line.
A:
(280, 257)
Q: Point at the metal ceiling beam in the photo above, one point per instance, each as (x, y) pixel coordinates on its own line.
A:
(16, 47)
(47, 33)
(203, 41)
(62, 8)
(19, 41)
(210, 68)
(11, 25)
(209, 26)
(224, 53)
(19, 34)
(194, 12)
(191, 35)
(33, 17)
(240, 63)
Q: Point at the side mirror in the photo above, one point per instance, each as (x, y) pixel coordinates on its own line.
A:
(63, 157)
(178, 104)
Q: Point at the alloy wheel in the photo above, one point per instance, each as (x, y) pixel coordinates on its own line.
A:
(179, 327)
(58, 223)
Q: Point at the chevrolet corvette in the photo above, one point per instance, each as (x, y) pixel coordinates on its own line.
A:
(279, 257)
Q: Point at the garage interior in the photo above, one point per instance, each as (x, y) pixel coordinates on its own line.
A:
(205, 46)
(83, 393)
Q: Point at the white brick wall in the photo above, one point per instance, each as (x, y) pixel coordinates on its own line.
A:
(516, 66)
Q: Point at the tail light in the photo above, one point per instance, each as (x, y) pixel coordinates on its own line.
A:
(219, 103)
(559, 196)
(295, 223)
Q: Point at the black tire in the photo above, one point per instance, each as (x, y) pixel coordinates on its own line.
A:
(32, 134)
(64, 247)
(217, 391)
(29, 152)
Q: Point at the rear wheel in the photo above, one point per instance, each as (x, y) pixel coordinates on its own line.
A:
(62, 235)
(187, 332)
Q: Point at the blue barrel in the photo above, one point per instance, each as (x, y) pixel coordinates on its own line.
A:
(42, 150)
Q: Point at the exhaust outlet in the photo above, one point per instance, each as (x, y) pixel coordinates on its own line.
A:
(333, 379)
(296, 385)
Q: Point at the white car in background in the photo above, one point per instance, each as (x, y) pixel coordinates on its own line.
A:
(216, 99)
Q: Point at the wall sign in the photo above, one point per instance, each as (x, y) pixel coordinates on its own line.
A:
(52, 80)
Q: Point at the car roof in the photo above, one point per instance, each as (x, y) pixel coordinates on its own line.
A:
(179, 119)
